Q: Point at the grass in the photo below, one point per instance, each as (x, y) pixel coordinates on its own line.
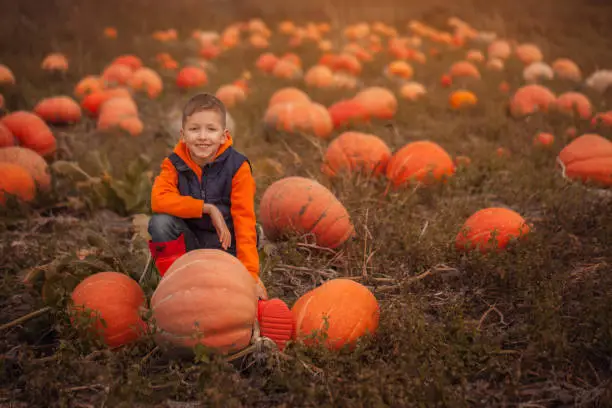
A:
(528, 327)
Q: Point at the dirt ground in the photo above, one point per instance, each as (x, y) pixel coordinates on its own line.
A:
(528, 327)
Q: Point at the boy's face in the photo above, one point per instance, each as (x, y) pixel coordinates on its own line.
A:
(203, 133)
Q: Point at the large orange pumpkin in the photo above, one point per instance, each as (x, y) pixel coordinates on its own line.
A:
(131, 61)
(379, 102)
(117, 74)
(113, 301)
(31, 131)
(588, 158)
(59, 110)
(341, 309)
(301, 205)
(93, 101)
(16, 182)
(29, 160)
(319, 76)
(230, 95)
(356, 152)
(479, 229)
(415, 161)
(206, 297)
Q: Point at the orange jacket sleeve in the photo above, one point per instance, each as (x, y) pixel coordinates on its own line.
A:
(243, 215)
(166, 198)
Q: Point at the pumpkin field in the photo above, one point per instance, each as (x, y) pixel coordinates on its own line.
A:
(434, 186)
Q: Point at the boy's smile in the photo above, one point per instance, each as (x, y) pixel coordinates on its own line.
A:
(203, 133)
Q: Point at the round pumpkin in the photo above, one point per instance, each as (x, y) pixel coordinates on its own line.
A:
(565, 68)
(356, 152)
(58, 110)
(341, 309)
(114, 301)
(34, 163)
(6, 75)
(571, 103)
(379, 102)
(412, 91)
(319, 76)
(230, 95)
(538, 71)
(286, 69)
(399, 69)
(55, 62)
(528, 53)
(116, 75)
(464, 69)
(147, 80)
(307, 117)
(31, 131)
(288, 94)
(499, 49)
(266, 62)
(129, 60)
(348, 111)
(588, 158)
(16, 182)
(206, 297)
(479, 229)
(544, 139)
(304, 206)
(93, 101)
(530, 99)
(417, 161)
(87, 85)
(191, 77)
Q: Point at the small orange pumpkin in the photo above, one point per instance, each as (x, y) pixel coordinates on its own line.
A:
(348, 111)
(130, 60)
(319, 76)
(356, 152)
(31, 131)
(266, 62)
(342, 309)
(117, 74)
(565, 68)
(191, 304)
(479, 229)
(304, 206)
(412, 91)
(530, 99)
(93, 101)
(55, 62)
(399, 69)
(544, 139)
(528, 53)
(462, 99)
(416, 160)
(114, 301)
(16, 182)
(191, 77)
(87, 85)
(34, 163)
(464, 69)
(499, 49)
(288, 94)
(574, 102)
(304, 117)
(58, 110)
(286, 70)
(6, 75)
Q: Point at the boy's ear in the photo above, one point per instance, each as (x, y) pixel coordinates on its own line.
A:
(182, 134)
(226, 134)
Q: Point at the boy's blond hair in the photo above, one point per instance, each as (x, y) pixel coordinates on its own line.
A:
(204, 101)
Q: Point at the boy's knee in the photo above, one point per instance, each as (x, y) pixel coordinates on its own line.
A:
(164, 227)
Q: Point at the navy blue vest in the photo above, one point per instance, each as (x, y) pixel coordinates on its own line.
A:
(215, 189)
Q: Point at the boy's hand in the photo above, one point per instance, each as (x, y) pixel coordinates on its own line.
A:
(219, 223)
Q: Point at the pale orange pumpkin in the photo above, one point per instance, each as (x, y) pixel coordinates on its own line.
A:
(130, 60)
(31, 131)
(58, 110)
(266, 62)
(116, 74)
(399, 69)
(356, 152)
(422, 161)
(93, 101)
(464, 69)
(412, 91)
(499, 49)
(147, 80)
(286, 70)
(113, 301)
(565, 68)
(379, 102)
(55, 62)
(348, 112)
(230, 95)
(307, 117)
(319, 76)
(288, 94)
(191, 304)
(528, 53)
(298, 205)
(340, 312)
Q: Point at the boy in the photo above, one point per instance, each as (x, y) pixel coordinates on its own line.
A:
(204, 198)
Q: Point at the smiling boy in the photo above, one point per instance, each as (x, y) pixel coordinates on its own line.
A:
(204, 197)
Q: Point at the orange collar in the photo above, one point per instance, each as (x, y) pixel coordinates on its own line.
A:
(183, 152)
